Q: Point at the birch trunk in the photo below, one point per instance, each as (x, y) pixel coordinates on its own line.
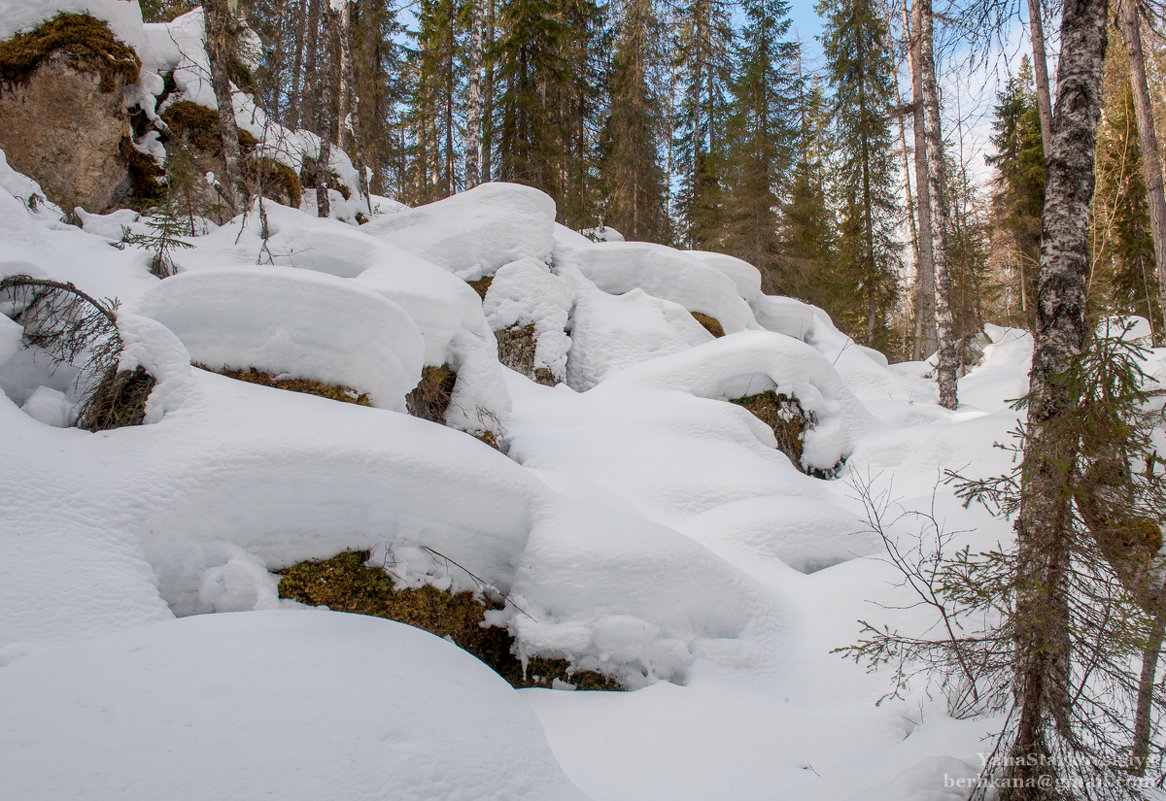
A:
(937, 201)
(292, 113)
(309, 108)
(351, 120)
(1147, 137)
(1041, 631)
(488, 95)
(218, 33)
(925, 290)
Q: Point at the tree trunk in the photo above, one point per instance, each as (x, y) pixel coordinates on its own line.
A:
(219, 30)
(925, 289)
(1147, 137)
(473, 172)
(351, 121)
(327, 114)
(937, 197)
(488, 96)
(1040, 72)
(309, 107)
(1041, 617)
(292, 113)
(1140, 754)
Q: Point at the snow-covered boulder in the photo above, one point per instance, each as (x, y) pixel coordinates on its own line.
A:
(299, 705)
(476, 232)
(283, 321)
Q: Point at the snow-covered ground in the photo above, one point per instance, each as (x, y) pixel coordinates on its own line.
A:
(640, 524)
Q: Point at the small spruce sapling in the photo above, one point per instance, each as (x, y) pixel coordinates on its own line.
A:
(167, 234)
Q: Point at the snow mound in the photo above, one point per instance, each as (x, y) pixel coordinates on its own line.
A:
(755, 362)
(476, 232)
(610, 332)
(619, 267)
(294, 705)
(524, 293)
(148, 344)
(744, 275)
(285, 322)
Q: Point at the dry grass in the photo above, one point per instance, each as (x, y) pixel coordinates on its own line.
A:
(482, 285)
(119, 401)
(431, 397)
(305, 385)
(346, 583)
(711, 324)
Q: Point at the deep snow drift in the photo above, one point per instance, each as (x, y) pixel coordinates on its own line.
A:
(639, 523)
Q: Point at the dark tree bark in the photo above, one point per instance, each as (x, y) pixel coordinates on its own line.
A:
(351, 119)
(220, 28)
(327, 113)
(1040, 70)
(309, 105)
(1128, 18)
(1041, 630)
(473, 174)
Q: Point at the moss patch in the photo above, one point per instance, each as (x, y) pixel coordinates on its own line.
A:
(309, 387)
(431, 397)
(119, 401)
(308, 178)
(200, 126)
(145, 174)
(346, 583)
(87, 42)
(516, 348)
(482, 285)
(279, 181)
(711, 324)
(785, 416)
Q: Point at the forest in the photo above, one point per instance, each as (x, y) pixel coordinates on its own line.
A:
(699, 125)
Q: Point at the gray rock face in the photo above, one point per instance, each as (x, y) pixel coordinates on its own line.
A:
(61, 129)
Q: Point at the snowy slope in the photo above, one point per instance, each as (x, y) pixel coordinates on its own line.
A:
(640, 524)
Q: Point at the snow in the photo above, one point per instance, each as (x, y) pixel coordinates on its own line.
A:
(286, 704)
(283, 322)
(476, 232)
(639, 523)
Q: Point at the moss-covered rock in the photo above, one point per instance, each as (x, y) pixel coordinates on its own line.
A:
(87, 44)
(305, 385)
(431, 397)
(482, 285)
(347, 583)
(787, 418)
(710, 324)
(276, 180)
(308, 178)
(145, 175)
(199, 125)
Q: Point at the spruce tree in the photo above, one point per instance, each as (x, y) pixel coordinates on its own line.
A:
(432, 118)
(1019, 186)
(704, 53)
(631, 177)
(761, 131)
(858, 66)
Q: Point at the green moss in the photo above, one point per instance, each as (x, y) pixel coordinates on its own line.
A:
(431, 397)
(785, 416)
(200, 126)
(711, 324)
(347, 583)
(278, 176)
(305, 385)
(87, 42)
(308, 178)
(145, 174)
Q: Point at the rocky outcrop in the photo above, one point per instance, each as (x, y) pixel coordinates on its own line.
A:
(63, 115)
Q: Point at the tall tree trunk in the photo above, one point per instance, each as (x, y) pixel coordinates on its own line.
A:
(488, 96)
(327, 113)
(291, 116)
(1128, 17)
(1040, 71)
(219, 30)
(925, 289)
(473, 171)
(917, 338)
(1041, 629)
(937, 197)
(351, 121)
(309, 108)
